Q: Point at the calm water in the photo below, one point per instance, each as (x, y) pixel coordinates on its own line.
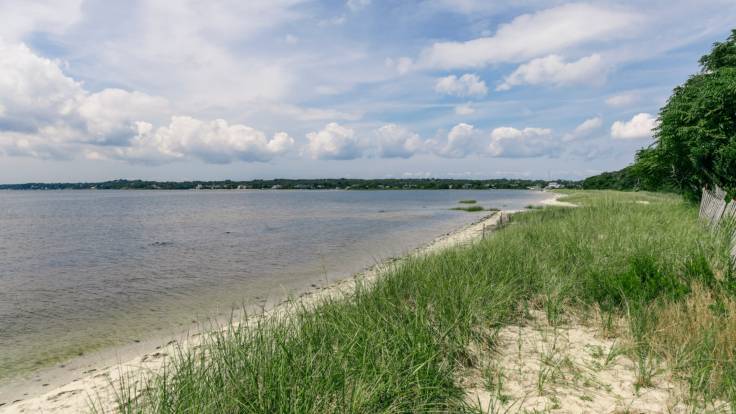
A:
(86, 269)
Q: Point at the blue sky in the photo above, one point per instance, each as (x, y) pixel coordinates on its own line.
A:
(175, 90)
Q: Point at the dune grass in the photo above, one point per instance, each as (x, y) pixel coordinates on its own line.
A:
(398, 345)
(467, 201)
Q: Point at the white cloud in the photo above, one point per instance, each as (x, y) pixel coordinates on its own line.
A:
(194, 52)
(589, 125)
(43, 107)
(109, 114)
(334, 142)
(584, 129)
(462, 140)
(49, 115)
(639, 127)
(622, 99)
(554, 70)
(291, 39)
(21, 17)
(356, 5)
(394, 141)
(532, 35)
(213, 142)
(522, 143)
(465, 109)
(466, 85)
(34, 90)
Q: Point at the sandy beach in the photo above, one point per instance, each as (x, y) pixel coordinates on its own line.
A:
(74, 386)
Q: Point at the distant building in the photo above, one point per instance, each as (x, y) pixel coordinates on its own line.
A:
(553, 185)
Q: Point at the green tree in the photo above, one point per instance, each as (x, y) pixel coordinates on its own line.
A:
(695, 142)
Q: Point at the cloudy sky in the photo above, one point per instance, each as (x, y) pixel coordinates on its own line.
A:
(190, 89)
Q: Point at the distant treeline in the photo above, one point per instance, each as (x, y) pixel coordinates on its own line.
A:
(298, 184)
(626, 179)
(695, 141)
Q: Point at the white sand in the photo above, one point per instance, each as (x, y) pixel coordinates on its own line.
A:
(569, 368)
(554, 201)
(98, 380)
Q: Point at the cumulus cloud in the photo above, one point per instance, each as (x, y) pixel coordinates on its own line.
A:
(110, 113)
(462, 140)
(623, 99)
(532, 35)
(520, 143)
(214, 142)
(33, 90)
(334, 142)
(554, 70)
(639, 127)
(47, 114)
(465, 140)
(394, 141)
(589, 125)
(585, 128)
(466, 85)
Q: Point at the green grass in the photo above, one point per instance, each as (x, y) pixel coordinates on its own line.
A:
(399, 345)
(469, 208)
(467, 201)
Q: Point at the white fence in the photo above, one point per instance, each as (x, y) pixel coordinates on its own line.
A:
(720, 214)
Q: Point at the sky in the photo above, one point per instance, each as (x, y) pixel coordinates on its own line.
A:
(92, 90)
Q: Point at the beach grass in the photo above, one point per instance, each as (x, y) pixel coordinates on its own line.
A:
(467, 201)
(399, 344)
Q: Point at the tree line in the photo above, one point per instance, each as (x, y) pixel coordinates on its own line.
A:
(299, 184)
(695, 140)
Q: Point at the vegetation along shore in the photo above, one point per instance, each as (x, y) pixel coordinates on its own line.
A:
(629, 296)
(624, 301)
(304, 184)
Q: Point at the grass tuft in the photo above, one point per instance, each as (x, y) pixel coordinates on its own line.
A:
(468, 208)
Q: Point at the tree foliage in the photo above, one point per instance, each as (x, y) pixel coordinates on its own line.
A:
(695, 142)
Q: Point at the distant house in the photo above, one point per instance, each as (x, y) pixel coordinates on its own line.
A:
(276, 187)
(553, 185)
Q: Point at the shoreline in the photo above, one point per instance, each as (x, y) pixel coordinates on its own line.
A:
(96, 377)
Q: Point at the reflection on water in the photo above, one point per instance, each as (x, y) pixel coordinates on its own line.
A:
(85, 269)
